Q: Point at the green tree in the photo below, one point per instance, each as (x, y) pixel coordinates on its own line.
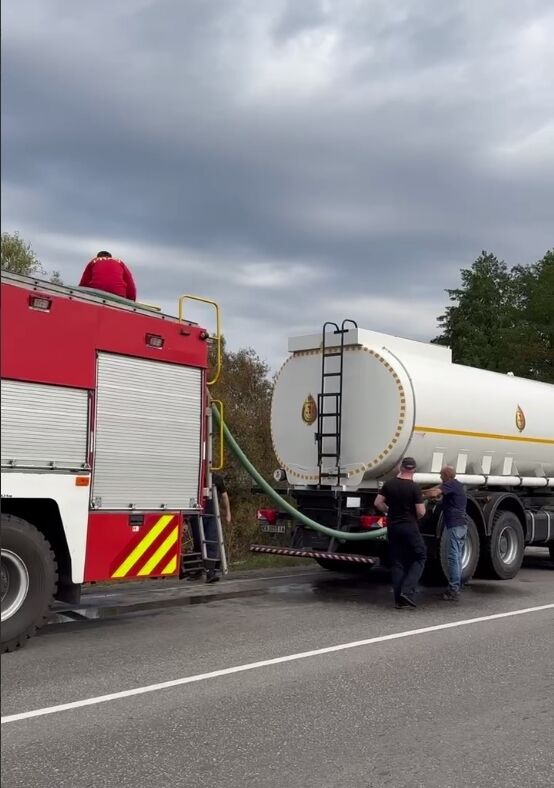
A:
(489, 324)
(536, 288)
(19, 258)
(245, 389)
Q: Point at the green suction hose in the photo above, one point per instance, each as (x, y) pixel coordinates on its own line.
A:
(268, 489)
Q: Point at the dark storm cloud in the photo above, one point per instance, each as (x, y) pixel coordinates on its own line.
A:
(283, 157)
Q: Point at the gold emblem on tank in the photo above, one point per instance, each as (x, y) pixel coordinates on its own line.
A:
(309, 410)
(520, 419)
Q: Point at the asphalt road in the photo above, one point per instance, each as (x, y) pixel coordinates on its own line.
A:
(465, 705)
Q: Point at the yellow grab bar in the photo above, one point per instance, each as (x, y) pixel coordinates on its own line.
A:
(216, 336)
(219, 404)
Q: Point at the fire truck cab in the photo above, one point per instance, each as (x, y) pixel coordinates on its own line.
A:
(105, 443)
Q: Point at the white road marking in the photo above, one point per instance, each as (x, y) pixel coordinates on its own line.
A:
(78, 704)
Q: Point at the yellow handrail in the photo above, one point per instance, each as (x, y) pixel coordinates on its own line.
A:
(219, 467)
(216, 336)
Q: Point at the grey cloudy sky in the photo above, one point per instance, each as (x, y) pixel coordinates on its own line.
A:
(296, 160)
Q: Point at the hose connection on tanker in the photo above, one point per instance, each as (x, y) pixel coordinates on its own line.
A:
(374, 533)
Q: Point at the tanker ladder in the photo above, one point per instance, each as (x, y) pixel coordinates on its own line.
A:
(329, 403)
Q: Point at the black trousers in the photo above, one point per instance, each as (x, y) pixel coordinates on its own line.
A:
(210, 535)
(407, 556)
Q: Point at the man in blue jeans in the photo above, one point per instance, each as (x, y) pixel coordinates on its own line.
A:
(454, 501)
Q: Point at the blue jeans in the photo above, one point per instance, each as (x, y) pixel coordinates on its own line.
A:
(456, 537)
(210, 535)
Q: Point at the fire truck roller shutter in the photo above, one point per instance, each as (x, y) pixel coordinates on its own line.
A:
(44, 426)
(148, 434)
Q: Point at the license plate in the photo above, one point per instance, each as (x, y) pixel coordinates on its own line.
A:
(276, 528)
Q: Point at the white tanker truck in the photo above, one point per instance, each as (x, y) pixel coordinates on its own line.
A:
(348, 404)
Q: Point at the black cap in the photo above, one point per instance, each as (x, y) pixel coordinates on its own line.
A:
(408, 464)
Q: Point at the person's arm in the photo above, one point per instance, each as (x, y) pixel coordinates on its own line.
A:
(419, 502)
(432, 492)
(87, 276)
(222, 497)
(131, 288)
(380, 503)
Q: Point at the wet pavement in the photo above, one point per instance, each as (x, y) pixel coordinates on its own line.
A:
(117, 599)
(463, 706)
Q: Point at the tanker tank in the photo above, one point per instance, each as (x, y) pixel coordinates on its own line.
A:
(402, 397)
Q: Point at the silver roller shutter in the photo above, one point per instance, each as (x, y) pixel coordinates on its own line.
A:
(44, 426)
(148, 429)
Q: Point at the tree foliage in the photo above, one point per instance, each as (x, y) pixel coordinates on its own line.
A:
(536, 294)
(245, 389)
(503, 319)
(18, 257)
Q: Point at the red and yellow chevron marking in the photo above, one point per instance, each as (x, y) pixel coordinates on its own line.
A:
(157, 548)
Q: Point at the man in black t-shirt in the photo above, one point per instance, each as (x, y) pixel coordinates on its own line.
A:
(402, 501)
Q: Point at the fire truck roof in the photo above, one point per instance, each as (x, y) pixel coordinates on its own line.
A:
(87, 294)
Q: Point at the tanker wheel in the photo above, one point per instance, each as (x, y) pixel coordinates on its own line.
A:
(28, 580)
(342, 566)
(503, 550)
(436, 570)
(470, 554)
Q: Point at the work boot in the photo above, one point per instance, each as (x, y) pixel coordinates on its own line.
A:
(212, 576)
(451, 596)
(407, 601)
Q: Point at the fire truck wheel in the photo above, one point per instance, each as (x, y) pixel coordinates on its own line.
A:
(504, 548)
(28, 580)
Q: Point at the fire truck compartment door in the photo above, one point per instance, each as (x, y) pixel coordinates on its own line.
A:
(148, 434)
(44, 426)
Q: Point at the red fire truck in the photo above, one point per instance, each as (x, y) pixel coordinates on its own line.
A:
(105, 443)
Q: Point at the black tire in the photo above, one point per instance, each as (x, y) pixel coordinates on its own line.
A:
(551, 550)
(29, 580)
(470, 557)
(502, 552)
(436, 570)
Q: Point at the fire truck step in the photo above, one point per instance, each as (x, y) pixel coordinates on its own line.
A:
(191, 561)
(293, 552)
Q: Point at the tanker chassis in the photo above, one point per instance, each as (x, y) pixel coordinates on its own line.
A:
(348, 404)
